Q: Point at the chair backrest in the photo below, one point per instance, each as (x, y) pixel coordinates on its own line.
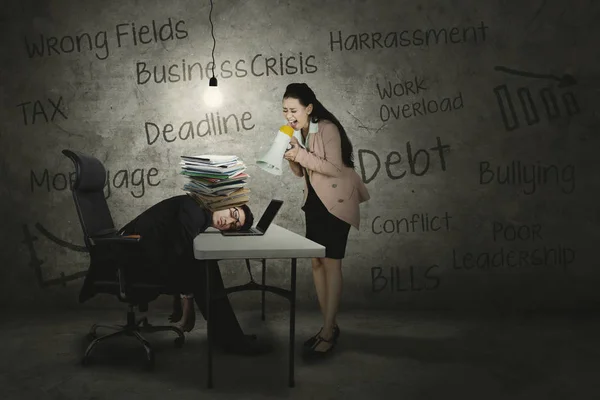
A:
(88, 194)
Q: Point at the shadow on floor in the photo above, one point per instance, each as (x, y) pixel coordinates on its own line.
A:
(516, 351)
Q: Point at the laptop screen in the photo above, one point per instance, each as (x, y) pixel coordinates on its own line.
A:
(269, 215)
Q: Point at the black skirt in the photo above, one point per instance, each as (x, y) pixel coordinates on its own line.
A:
(323, 227)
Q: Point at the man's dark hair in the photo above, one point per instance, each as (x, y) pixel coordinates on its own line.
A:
(249, 217)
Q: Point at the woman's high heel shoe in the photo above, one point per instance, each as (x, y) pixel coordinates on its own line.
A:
(313, 339)
(313, 353)
(336, 332)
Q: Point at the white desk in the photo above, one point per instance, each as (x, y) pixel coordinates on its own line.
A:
(277, 242)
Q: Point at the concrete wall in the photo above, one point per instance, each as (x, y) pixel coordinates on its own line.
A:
(480, 157)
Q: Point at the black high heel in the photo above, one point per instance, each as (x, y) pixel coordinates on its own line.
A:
(312, 340)
(336, 332)
(311, 352)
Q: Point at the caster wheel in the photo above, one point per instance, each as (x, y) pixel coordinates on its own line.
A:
(179, 341)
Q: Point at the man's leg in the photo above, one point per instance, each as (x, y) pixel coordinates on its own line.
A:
(188, 315)
(228, 333)
(177, 309)
(223, 317)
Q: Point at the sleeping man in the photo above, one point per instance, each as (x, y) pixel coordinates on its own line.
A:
(166, 254)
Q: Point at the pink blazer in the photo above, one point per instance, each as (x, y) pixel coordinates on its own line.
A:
(339, 187)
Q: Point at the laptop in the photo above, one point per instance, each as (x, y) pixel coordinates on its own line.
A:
(264, 223)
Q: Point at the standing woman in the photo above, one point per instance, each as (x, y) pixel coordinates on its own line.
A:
(332, 194)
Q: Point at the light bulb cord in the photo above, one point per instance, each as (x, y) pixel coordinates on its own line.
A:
(213, 36)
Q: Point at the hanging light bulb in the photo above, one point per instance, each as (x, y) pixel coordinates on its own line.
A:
(213, 96)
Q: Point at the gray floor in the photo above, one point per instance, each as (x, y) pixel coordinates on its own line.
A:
(404, 355)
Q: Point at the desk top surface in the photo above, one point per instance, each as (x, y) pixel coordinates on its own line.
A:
(277, 242)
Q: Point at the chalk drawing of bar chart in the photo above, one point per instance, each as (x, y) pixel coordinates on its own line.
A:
(527, 105)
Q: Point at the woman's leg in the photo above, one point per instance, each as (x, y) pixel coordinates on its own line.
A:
(333, 278)
(319, 279)
(320, 282)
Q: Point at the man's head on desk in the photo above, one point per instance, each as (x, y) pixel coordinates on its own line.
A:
(233, 218)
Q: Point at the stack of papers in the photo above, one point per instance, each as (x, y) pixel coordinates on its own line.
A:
(216, 182)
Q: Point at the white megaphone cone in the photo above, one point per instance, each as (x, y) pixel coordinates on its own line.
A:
(273, 159)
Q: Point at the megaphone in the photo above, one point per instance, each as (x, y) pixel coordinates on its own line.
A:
(272, 160)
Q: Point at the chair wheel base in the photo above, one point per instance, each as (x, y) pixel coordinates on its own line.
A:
(133, 328)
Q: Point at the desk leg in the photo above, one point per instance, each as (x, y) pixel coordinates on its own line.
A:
(209, 380)
(292, 323)
(264, 264)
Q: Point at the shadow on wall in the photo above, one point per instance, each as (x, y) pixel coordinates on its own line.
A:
(36, 263)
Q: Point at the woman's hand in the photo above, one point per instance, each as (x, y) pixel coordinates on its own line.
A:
(290, 155)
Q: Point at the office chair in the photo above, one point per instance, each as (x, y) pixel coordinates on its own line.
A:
(106, 274)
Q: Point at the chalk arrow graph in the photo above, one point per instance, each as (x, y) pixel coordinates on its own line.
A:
(563, 81)
(59, 241)
(36, 263)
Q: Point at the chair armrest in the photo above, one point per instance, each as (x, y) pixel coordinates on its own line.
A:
(105, 232)
(117, 239)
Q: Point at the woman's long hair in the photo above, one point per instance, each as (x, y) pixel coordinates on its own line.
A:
(305, 95)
